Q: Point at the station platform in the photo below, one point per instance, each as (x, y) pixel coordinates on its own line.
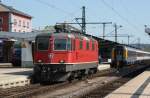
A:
(4, 65)
(138, 87)
(12, 77)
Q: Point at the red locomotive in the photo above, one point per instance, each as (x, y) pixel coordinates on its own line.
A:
(64, 56)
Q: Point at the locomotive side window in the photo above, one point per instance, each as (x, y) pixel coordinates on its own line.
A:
(87, 45)
(69, 44)
(81, 44)
(93, 45)
(73, 44)
(60, 44)
(42, 43)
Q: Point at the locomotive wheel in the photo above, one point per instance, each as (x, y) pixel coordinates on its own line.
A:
(36, 75)
(72, 77)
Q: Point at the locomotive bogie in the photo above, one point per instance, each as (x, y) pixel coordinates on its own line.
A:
(63, 72)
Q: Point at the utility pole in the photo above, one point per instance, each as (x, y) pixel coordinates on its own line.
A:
(139, 42)
(128, 39)
(116, 27)
(104, 24)
(83, 20)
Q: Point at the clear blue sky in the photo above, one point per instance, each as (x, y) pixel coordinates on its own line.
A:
(131, 14)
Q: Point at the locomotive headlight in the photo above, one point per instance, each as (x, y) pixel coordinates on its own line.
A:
(39, 61)
(62, 61)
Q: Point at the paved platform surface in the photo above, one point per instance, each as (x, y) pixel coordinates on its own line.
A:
(103, 66)
(3, 65)
(12, 77)
(138, 87)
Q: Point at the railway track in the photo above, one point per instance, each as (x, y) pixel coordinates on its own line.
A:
(36, 89)
(28, 91)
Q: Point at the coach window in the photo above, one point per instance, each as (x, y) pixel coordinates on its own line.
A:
(60, 44)
(93, 45)
(87, 45)
(81, 44)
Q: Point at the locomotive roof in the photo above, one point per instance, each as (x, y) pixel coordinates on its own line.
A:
(69, 35)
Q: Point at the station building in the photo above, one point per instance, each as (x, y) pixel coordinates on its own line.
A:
(12, 24)
(12, 20)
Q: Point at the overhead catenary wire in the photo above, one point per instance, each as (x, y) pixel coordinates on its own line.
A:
(70, 14)
(54, 7)
(117, 13)
(129, 11)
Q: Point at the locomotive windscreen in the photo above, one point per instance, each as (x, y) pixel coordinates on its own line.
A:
(42, 43)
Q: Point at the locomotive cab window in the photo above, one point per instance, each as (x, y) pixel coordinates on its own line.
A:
(43, 43)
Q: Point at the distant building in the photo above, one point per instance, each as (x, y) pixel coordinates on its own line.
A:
(12, 20)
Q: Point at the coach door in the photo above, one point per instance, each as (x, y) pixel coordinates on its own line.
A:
(119, 54)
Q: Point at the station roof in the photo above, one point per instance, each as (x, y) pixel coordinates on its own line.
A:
(31, 36)
(103, 41)
(5, 8)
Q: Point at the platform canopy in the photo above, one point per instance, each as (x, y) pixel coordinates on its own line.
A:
(19, 35)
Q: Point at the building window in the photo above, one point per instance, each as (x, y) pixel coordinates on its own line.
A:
(1, 20)
(15, 22)
(1, 29)
(27, 24)
(24, 24)
(19, 22)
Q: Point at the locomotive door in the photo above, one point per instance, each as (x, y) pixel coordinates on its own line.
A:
(50, 53)
(43, 49)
